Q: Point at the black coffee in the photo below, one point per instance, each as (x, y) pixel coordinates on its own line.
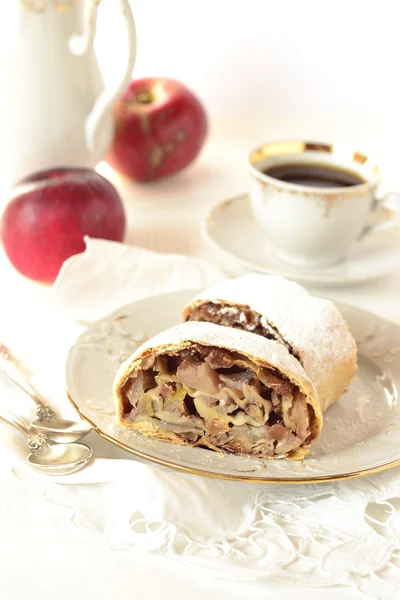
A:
(314, 175)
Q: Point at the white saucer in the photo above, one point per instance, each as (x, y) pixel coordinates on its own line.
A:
(241, 246)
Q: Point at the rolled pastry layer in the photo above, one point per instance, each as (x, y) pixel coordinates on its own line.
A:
(201, 384)
(312, 329)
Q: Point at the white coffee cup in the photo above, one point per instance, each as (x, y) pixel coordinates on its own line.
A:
(316, 226)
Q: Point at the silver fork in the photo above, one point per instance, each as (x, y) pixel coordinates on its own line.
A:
(47, 421)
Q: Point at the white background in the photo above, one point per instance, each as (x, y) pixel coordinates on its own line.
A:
(327, 71)
(285, 57)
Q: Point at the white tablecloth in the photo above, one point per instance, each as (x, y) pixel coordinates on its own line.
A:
(41, 553)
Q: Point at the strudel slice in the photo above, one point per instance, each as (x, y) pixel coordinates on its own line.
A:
(310, 328)
(227, 389)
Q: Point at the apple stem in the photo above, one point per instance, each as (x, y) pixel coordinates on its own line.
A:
(144, 98)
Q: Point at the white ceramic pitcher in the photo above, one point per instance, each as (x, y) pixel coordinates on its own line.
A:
(54, 109)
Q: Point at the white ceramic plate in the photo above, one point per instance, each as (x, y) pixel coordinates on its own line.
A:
(240, 246)
(361, 433)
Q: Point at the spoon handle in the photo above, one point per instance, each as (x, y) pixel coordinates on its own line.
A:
(35, 441)
(16, 422)
(10, 367)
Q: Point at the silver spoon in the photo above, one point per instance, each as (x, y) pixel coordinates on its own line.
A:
(47, 457)
(61, 430)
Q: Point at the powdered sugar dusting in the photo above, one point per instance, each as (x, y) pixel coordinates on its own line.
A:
(312, 326)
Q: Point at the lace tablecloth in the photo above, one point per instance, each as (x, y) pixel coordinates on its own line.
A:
(317, 536)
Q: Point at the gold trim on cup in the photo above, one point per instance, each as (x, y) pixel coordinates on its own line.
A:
(290, 147)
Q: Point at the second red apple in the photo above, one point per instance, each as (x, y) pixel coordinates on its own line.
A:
(160, 129)
(51, 212)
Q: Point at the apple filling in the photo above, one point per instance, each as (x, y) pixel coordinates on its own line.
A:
(219, 399)
(239, 317)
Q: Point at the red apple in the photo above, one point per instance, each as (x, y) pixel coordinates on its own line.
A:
(160, 129)
(49, 214)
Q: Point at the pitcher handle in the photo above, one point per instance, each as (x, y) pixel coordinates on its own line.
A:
(108, 97)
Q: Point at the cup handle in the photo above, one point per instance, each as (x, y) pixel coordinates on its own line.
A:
(386, 213)
(80, 44)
